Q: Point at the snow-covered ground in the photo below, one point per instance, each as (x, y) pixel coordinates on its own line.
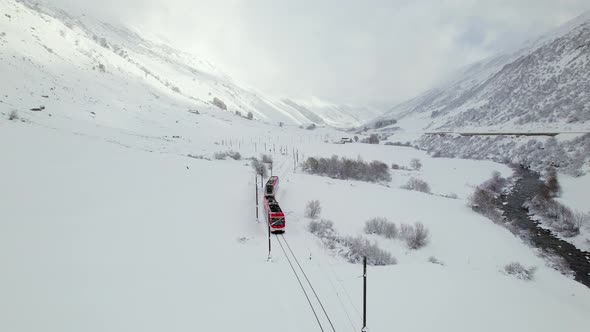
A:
(107, 228)
(575, 196)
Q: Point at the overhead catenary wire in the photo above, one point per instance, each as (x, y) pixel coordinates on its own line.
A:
(310, 285)
(301, 284)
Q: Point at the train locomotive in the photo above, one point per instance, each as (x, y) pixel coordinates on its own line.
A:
(273, 213)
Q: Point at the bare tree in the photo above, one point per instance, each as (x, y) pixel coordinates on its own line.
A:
(313, 209)
(416, 164)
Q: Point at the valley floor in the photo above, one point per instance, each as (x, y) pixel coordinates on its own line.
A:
(106, 229)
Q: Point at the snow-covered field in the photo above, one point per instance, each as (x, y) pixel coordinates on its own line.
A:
(106, 228)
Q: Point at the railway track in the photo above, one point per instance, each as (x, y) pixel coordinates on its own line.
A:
(317, 307)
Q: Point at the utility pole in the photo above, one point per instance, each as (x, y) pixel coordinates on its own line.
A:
(269, 257)
(364, 295)
(256, 186)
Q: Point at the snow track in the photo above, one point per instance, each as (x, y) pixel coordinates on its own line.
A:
(291, 255)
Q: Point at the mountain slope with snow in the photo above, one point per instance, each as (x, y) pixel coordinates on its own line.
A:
(544, 85)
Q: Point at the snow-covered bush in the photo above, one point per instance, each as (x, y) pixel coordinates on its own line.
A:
(552, 187)
(359, 247)
(323, 229)
(344, 168)
(384, 123)
(415, 236)
(372, 139)
(221, 155)
(313, 209)
(417, 185)
(451, 196)
(13, 115)
(381, 226)
(234, 155)
(266, 158)
(416, 164)
(250, 116)
(496, 184)
(353, 249)
(484, 202)
(516, 269)
(434, 260)
(395, 166)
(311, 126)
(259, 167)
(557, 216)
(219, 103)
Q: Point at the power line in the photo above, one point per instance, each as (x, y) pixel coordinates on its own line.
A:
(300, 284)
(310, 285)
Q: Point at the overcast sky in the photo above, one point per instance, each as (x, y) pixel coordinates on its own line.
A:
(344, 51)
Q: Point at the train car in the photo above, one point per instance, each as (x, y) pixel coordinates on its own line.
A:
(274, 214)
(272, 185)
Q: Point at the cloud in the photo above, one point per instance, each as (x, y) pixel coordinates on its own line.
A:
(341, 50)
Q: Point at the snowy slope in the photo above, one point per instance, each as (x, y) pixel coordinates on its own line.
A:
(83, 43)
(542, 84)
(340, 116)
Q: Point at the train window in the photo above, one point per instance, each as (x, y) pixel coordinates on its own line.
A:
(278, 222)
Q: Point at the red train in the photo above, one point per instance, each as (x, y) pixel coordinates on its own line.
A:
(274, 214)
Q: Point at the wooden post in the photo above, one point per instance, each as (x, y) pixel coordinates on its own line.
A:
(364, 295)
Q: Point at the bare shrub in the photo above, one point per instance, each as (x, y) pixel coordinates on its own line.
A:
(516, 269)
(234, 155)
(13, 115)
(372, 139)
(484, 202)
(416, 236)
(552, 187)
(434, 260)
(381, 226)
(353, 249)
(313, 209)
(220, 155)
(344, 168)
(311, 126)
(557, 216)
(266, 158)
(416, 164)
(395, 166)
(495, 184)
(250, 116)
(359, 247)
(323, 229)
(417, 185)
(259, 167)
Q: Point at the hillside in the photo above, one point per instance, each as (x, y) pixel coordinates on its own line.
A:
(544, 84)
(56, 49)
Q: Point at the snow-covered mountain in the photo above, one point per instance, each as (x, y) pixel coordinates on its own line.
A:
(543, 85)
(56, 49)
(342, 116)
